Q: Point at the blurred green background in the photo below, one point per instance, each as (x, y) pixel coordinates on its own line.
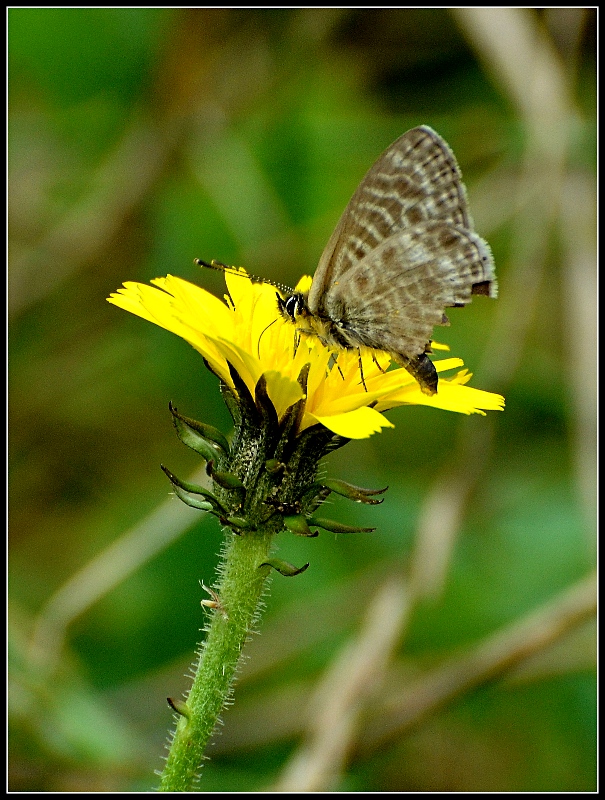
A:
(142, 138)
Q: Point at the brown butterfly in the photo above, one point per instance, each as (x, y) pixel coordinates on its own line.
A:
(404, 250)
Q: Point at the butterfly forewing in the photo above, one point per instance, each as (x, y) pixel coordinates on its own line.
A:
(415, 180)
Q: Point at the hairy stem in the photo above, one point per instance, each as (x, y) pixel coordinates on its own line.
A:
(239, 597)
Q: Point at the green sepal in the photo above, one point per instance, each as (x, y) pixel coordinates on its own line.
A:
(288, 570)
(264, 405)
(183, 489)
(231, 402)
(314, 497)
(188, 487)
(297, 524)
(239, 522)
(351, 492)
(247, 407)
(180, 706)
(274, 465)
(337, 527)
(226, 480)
(336, 443)
(199, 505)
(209, 442)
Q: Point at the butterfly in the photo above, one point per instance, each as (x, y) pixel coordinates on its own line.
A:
(403, 250)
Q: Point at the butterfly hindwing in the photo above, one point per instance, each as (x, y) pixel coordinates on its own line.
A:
(392, 298)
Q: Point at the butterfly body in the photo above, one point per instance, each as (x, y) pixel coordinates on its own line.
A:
(404, 250)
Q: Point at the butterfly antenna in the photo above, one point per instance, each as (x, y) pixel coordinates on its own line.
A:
(220, 267)
(261, 336)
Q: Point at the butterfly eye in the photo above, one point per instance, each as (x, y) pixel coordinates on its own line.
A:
(294, 305)
(286, 307)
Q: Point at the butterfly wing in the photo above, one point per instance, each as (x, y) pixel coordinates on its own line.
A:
(393, 297)
(415, 180)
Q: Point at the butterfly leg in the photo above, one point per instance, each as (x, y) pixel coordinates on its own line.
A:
(375, 360)
(361, 369)
(333, 363)
(423, 370)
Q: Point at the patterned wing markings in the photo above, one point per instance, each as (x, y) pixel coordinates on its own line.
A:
(392, 299)
(416, 179)
(402, 252)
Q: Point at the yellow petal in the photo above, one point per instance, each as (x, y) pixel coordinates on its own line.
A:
(451, 396)
(283, 391)
(358, 424)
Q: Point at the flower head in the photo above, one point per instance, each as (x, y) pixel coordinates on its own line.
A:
(346, 391)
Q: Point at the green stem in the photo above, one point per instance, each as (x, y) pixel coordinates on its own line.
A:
(268, 474)
(240, 595)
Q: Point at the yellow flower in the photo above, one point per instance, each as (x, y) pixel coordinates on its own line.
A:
(248, 332)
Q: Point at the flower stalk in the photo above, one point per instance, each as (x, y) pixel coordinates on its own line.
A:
(239, 592)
